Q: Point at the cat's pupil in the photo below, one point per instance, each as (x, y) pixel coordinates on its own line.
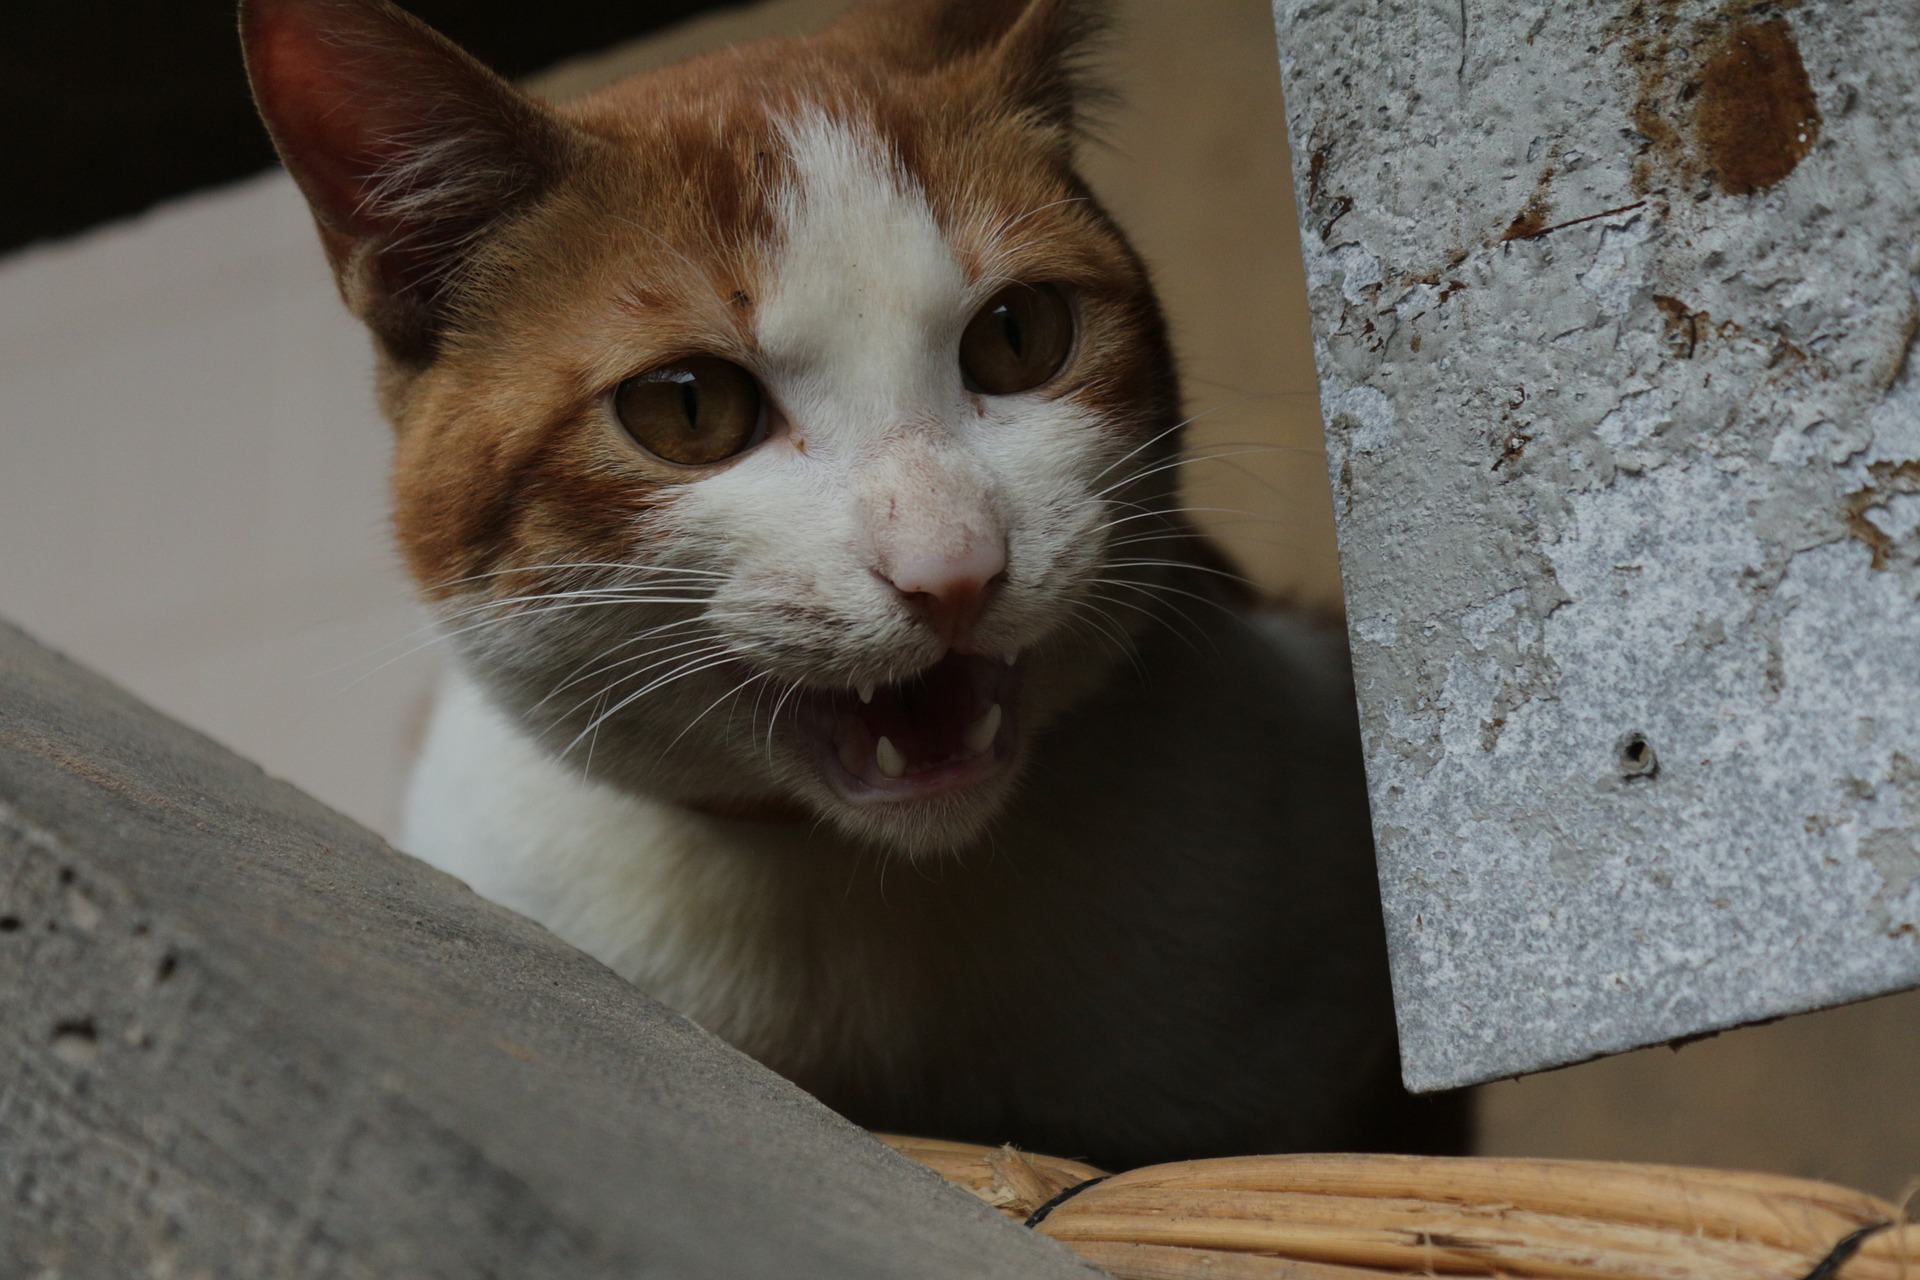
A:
(697, 411)
(1017, 340)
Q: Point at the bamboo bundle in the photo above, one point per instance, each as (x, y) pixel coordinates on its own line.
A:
(1365, 1217)
(1015, 1182)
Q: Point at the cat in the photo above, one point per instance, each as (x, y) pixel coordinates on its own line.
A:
(786, 442)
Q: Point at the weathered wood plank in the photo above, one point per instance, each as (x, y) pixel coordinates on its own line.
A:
(239, 1036)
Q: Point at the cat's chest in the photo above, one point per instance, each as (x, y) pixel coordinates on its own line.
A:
(1134, 935)
(784, 953)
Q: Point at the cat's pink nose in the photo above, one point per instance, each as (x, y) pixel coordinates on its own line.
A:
(951, 592)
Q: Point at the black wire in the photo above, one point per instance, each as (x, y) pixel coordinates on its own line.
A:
(1039, 1215)
(1849, 1245)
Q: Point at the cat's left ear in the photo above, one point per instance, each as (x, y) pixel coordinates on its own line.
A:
(408, 150)
(1036, 53)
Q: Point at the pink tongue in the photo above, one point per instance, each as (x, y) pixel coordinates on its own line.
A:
(927, 717)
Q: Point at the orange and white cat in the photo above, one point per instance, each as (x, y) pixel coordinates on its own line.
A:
(786, 442)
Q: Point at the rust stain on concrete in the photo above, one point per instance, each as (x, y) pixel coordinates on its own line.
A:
(1682, 325)
(1754, 114)
(1890, 479)
(1531, 221)
(1649, 30)
(1742, 117)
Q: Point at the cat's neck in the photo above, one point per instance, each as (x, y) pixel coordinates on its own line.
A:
(1147, 847)
(773, 809)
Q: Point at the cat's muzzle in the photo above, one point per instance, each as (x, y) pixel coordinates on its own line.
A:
(941, 730)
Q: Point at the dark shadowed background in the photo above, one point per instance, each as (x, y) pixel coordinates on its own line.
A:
(111, 105)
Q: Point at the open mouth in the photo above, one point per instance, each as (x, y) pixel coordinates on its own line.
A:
(949, 726)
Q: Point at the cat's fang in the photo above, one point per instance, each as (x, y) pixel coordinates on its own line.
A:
(887, 756)
(981, 733)
(866, 692)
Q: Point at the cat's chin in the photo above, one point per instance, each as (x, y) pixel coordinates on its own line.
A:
(923, 763)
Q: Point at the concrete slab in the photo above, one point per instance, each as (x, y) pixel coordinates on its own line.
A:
(1613, 313)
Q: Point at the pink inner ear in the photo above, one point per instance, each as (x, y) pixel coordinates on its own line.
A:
(321, 123)
(337, 102)
(406, 148)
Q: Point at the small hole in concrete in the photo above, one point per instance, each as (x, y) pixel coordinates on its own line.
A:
(1636, 758)
(9, 924)
(76, 1041)
(164, 969)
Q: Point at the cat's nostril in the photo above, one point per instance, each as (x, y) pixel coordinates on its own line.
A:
(951, 593)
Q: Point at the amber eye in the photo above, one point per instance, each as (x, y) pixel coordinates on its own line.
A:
(695, 412)
(1017, 341)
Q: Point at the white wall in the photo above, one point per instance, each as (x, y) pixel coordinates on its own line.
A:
(192, 487)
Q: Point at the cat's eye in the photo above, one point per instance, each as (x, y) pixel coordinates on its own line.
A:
(1018, 340)
(697, 411)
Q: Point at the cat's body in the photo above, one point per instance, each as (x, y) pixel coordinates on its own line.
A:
(1136, 965)
(786, 442)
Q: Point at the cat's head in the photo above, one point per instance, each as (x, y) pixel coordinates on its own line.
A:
(788, 430)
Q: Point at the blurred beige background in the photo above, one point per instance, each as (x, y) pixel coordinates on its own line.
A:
(191, 499)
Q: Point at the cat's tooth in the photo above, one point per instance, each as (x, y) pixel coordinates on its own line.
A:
(866, 692)
(887, 756)
(981, 733)
(1012, 656)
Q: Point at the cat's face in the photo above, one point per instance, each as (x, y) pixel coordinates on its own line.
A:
(785, 431)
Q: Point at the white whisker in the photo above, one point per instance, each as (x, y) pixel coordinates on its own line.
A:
(712, 648)
(676, 649)
(1151, 613)
(689, 668)
(1163, 588)
(756, 676)
(793, 686)
(1228, 574)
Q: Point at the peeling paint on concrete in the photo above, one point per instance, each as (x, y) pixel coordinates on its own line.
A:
(1614, 311)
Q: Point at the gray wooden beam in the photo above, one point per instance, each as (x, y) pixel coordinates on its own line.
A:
(239, 1036)
(1614, 308)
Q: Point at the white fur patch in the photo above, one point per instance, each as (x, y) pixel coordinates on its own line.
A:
(673, 902)
(531, 833)
(867, 301)
(859, 323)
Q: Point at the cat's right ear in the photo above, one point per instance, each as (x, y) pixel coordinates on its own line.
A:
(407, 149)
(1037, 54)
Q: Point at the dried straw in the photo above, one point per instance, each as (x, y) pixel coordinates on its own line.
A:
(1364, 1217)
